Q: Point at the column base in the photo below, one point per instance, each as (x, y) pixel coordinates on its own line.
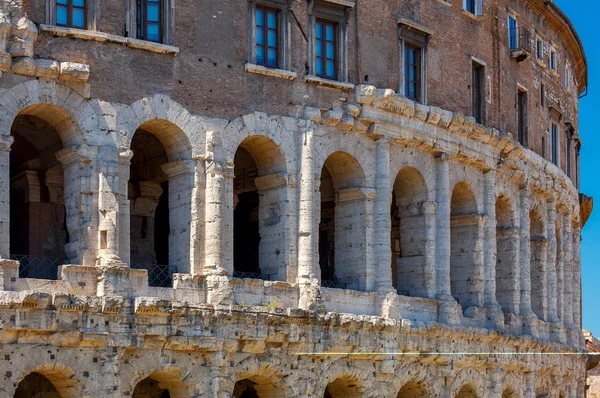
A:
(449, 312)
(388, 304)
(120, 280)
(310, 296)
(219, 290)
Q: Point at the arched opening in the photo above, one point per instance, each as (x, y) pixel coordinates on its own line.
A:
(38, 227)
(160, 385)
(259, 218)
(343, 387)
(413, 390)
(509, 393)
(36, 385)
(409, 233)
(507, 249)
(257, 387)
(159, 192)
(467, 391)
(466, 279)
(539, 244)
(342, 238)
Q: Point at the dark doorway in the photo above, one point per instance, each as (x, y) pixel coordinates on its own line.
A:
(36, 385)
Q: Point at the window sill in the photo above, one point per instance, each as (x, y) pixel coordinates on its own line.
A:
(345, 3)
(445, 2)
(329, 83)
(554, 73)
(273, 72)
(472, 16)
(105, 37)
(540, 63)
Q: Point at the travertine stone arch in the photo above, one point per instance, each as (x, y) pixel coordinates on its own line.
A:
(352, 381)
(512, 385)
(266, 379)
(466, 244)
(412, 245)
(507, 255)
(61, 377)
(473, 379)
(168, 379)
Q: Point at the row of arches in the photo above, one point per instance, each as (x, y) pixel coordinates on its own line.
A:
(163, 385)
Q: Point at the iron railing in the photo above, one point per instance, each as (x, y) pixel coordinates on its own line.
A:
(251, 275)
(333, 284)
(519, 43)
(348, 283)
(38, 267)
(158, 275)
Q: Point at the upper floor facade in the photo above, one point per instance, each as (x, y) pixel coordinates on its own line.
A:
(517, 66)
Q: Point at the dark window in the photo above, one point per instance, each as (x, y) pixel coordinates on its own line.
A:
(71, 13)
(539, 49)
(544, 147)
(577, 155)
(513, 38)
(266, 36)
(553, 60)
(554, 143)
(412, 72)
(568, 139)
(326, 49)
(543, 95)
(522, 114)
(149, 20)
(471, 6)
(477, 94)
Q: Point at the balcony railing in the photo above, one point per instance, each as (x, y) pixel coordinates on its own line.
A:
(333, 284)
(158, 275)
(38, 267)
(519, 43)
(251, 275)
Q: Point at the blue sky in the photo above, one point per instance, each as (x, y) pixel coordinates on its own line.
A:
(584, 15)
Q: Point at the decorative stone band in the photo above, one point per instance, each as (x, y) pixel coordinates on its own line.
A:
(271, 181)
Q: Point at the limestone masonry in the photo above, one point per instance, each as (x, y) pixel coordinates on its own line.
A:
(290, 198)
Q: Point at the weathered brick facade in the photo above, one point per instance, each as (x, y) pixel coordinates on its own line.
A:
(227, 229)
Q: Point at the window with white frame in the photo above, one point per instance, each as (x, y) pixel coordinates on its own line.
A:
(269, 34)
(567, 75)
(554, 142)
(513, 35)
(328, 33)
(539, 48)
(553, 59)
(475, 7)
(79, 14)
(151, 20)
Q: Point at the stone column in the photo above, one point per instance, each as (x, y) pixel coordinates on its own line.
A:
(218, 227)
(560, 272)
(81, 196)
(442, 239)
(489, 247)
(197, 218)
(5, 142)
(108, 205)
(142, 222)
(551, 291)
(568, 271)
(382, 250)
(124, 206)
(430, 212)
(308, 223)
(181, 184)
(530, 385)
(577, 277)
(495, 383)
(525, 256)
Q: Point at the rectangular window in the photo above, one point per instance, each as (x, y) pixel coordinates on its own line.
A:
(553, 64)
(522, 115)
(412, 72)
(149, 20)
(539, 49)
(71, 13)
(543, 95)
(326, 49)
(513, 37)
(477, 92)
(544, 146)
(568, 139)
(267, 33)
(471, 6)
(554, 143)
(577, 158)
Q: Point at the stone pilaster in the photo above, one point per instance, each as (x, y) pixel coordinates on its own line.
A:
(430, 212)
(442, 239)
(525, 258)
(530, 385)
(5, 142)
(551, 262)
(181, 183)
(108, 237)
(382, 250)
(577, 277)
(124, 206)
(568, 271)
(197, 218)
(489, 247)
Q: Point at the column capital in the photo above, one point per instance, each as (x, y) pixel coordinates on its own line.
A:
(6, 141)
(73, 154)
(442, 157)
(125, 157)
(176, 169)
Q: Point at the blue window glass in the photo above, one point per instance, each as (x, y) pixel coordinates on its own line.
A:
(78, 18)
(267, 32)
(412, 72)
(149, 20)
(62, 15)
(326, 49)
(71, 13)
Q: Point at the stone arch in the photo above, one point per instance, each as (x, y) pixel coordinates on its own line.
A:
(409, 234)
(468, 381)
(509, 393)
(357, 380)
(253, 378)
(343, 387)
(342, 237)
(507, 252)
(260, 193)
(56, 380)
(467, 391)
(466, 270)
(162, 384)
(159, 193)
(539, 246)
(413, 389)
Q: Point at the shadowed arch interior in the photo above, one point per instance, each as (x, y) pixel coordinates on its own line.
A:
(466, 273)
(409, 233)
(343, 387)
(341, 230)
(467, 391)
(37, 196)
(509, 393)
(259, 197)
(174, 141)
(53, 383)
(257, 387)
(507, 249)
(539, 245)
(413, 389)
(160, 385)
